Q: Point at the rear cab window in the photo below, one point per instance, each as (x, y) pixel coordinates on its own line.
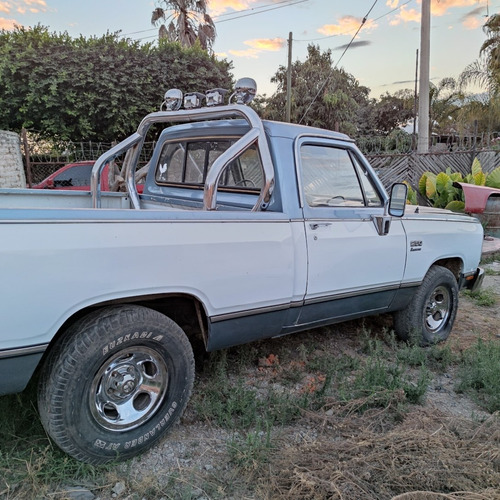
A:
(187, 163)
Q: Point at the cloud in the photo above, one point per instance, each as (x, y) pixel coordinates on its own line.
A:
(401, 82)
(405, 16)
(438, 8)
(7, 24)
(441, 7)
(23, 6)
(473, 19)
(259, 45)
(267, 44)
(346, 25)
(218, 7)
(248, 53)
(472, 23)
(354, 45)
(35, 5)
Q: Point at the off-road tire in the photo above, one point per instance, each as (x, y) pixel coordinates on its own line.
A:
(430, 315)
(114, 383)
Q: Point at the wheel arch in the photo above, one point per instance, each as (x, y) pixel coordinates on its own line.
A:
(453, 264)
(186, 310)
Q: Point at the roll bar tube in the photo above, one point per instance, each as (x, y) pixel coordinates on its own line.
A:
(108, 156)
(134, 143)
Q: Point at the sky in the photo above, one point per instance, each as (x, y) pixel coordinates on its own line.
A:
(253, 34)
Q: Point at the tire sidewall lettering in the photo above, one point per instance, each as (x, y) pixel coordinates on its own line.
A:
(69, 389)
(112, 446)
(129, 337)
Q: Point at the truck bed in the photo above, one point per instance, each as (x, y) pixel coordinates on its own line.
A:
(34, 198)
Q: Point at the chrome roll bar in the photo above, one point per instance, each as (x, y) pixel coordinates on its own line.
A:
(133, 145)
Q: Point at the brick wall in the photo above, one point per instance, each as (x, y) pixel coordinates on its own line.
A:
(11, 162)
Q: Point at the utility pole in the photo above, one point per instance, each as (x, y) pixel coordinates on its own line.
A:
(289, 81)
(415, 101)
(423, 101)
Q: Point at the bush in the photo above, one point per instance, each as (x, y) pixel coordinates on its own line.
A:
(441, 191)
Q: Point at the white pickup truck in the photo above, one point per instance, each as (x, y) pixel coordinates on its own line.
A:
(246, 229)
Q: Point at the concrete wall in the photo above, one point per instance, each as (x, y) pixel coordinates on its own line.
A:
(11, 162)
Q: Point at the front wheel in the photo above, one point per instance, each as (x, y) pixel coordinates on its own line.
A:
(116, 382)
(430, 315)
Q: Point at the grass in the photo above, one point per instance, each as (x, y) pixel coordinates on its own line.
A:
(30, 465)
(254, 394)
(252, 450)
(479, 374)
(484, 297)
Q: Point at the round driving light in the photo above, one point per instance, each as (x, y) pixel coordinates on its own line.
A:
(172, 100)
(245, 90)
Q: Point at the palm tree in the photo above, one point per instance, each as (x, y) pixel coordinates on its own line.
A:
(189, 22)
(485, 71)
(445, 100)
(491, 46)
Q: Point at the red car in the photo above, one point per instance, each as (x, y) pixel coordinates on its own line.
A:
(73, 176)
(76, 177)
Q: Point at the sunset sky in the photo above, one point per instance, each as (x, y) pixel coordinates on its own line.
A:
(253, 33)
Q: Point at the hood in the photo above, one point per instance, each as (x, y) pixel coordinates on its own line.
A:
(419, 211)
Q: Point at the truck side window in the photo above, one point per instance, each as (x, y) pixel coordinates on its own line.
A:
(188, 163)
(329, 177)
(373, 199)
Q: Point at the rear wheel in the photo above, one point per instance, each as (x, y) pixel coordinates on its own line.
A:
(118, 380)
(430, 315)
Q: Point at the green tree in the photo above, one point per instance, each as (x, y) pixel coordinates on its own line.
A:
(393, 110)
(97, 88)
(485, 71)
(445, 101)
(189, 23)
(479, 114)
(322, 96)
(491, 47)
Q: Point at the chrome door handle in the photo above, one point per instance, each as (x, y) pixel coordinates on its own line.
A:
(316, 225)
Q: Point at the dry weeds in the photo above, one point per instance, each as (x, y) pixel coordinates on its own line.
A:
(355, 459)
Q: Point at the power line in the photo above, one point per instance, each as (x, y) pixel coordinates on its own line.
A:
(336, 64)
(252, 9)
(249, 12)
(290, 4)
(347, 32)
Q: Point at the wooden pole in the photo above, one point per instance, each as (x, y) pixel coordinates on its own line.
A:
(415, 108)
(288, 112)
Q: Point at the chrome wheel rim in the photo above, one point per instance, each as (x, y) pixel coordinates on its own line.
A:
(438, 309)
(128, 389)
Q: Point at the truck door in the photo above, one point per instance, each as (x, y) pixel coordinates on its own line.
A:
(352, 269)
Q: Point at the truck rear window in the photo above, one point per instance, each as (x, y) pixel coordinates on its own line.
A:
(187, 163)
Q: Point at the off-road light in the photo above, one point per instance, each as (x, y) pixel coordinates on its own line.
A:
(193, 100)
(245, 90)
(172, 100)
(215, 97)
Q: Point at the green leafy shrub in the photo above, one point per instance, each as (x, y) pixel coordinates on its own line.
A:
(440, 189)
(411, 197)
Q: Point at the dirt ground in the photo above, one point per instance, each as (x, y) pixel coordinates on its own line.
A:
(446, 448)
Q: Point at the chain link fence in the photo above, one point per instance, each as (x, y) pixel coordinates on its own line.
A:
(392, 156)
(42, 157)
